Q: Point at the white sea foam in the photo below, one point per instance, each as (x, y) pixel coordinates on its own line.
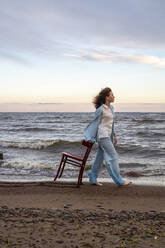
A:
(38, 145)
(31, 165)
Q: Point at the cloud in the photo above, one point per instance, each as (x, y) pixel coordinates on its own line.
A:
(51, 28)
(26, 30)
(116, 57)
(150, 60)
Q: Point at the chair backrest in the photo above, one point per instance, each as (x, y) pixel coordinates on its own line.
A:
(89, 145)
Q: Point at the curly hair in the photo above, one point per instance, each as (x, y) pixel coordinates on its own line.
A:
(101, 97)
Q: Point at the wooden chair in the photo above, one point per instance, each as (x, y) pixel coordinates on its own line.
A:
(75, 161)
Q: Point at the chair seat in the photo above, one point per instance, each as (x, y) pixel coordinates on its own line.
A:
(72, 156)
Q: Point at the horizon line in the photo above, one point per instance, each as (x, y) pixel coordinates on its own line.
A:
(51, 103)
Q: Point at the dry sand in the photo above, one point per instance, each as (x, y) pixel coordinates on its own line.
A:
(49, 214)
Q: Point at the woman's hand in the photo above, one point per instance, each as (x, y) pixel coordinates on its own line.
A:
(115, 139)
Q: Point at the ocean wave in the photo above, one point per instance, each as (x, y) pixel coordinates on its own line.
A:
(54, 117)
(134, 165)
(133, 174)
(138, 149)
(5, 118)
(36, 129)
(148, 121)
(28, 129)
(127, 148)
(154, 172)
(34, 167)
(29, 167)
(37, 145)
(151, 134)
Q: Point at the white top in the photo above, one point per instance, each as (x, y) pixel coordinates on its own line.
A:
(105, 127)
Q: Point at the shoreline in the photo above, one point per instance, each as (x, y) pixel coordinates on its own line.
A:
(50, 195)
(143, 181)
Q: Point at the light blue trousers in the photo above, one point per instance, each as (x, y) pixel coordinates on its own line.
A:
(106, 152)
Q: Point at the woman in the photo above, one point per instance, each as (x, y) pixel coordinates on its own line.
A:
(101, 129)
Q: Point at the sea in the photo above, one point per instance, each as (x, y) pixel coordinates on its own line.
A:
(32, 144)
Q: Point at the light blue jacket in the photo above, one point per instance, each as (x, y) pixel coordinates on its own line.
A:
(90, 132)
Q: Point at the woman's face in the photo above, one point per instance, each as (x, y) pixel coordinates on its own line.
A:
(111, 97)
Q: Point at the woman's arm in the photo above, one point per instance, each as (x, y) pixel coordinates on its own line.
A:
(113, 127)
(115, 139)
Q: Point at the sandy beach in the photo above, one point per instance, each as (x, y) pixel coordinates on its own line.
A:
(48, 214)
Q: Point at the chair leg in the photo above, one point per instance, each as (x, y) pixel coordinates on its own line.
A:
(80, 176)
(59, 168)
(63, 167)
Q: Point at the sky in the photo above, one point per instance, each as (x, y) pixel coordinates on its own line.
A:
(57, 55)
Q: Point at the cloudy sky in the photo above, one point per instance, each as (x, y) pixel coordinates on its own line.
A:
(55, 55)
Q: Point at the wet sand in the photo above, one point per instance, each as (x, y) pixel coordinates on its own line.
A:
(48, 214)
